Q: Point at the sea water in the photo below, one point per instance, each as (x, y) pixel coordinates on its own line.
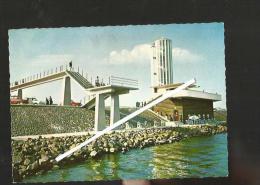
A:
(195, 157)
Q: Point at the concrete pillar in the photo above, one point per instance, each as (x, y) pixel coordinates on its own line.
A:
(100, 119)
(20, 93)
(114, 109)
(66, 91)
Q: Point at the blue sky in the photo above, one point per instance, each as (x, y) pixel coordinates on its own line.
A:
(198, 51)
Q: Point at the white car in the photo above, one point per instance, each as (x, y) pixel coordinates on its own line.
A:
(35, 101)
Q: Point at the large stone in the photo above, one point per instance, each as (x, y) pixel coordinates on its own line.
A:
(22, 170)
(17, 159)
(43, 159)
(112, 150)
(36, 148)
(35, 165)
(26, 162)
(55, 167)
(93, 153)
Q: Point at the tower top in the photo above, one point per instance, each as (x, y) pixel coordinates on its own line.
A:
(162, 38)
(161, 62)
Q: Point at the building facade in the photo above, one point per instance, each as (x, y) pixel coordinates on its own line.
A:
(186, 103)
(180, 109)
(161, 62)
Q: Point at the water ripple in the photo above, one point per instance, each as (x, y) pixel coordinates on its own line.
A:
(195, 157)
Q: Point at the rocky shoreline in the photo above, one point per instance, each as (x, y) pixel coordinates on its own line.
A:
(36, 156)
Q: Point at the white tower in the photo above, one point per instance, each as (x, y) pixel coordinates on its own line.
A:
(161, 63)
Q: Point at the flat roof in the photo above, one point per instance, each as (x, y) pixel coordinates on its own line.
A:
(192, 94)
(171, 86)
(111, 89)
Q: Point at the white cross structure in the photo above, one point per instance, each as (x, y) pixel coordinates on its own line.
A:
(127, 118)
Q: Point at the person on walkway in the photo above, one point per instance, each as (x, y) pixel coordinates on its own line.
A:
(70, 65)
(97, 82)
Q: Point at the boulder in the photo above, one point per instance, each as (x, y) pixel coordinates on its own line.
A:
(35, 165)
(17, 159)
(93, 153)
(55, 167)
(112, 150)
(27, 162)
(43, 159)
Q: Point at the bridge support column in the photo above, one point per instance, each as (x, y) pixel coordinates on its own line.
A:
(66, 91)
(20, 94)
(114, 109)
(100, 119)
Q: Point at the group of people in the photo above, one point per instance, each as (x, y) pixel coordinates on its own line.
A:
(49, 101)
(140, 104)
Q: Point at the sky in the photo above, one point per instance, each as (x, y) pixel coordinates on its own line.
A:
(124, 51)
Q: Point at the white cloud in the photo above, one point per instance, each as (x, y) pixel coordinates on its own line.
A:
(184, 55)
(140, 53)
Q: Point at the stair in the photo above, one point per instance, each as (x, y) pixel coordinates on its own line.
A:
(158, 115)
(91, 103)
(83, 82)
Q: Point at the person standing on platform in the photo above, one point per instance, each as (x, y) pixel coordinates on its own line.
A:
(97, 82)
(70, 65)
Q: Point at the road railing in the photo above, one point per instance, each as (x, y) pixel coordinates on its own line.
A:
(114, 80)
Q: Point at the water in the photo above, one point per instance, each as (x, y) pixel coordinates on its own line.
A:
(195, 157)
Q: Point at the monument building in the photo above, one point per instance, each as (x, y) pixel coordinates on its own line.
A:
(187, 102)
(161, 63)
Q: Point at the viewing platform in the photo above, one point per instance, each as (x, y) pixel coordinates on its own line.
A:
(116, 87)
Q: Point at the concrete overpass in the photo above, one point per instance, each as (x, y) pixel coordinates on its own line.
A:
(39, 79)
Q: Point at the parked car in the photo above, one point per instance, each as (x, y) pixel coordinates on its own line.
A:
(33, 101)
(17, 100)
(75, 104)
